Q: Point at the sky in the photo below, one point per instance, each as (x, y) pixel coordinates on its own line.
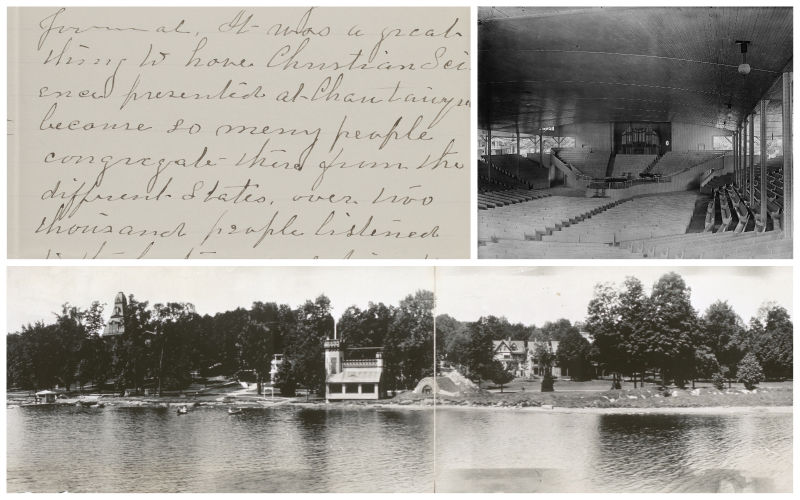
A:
(535, 295)
(35, 292)
(531, 295)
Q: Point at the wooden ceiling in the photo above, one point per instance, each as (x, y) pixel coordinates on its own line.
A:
(544, 67)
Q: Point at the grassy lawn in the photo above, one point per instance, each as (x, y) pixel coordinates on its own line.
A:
(596, 394)
(601, 385)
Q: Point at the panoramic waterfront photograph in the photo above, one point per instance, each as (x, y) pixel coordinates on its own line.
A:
(615, 379)
(399, 379)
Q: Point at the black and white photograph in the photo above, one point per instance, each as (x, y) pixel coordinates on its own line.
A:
(635, 132)
(252, 139)
(615, 379)
(218, 379)
(399, 379)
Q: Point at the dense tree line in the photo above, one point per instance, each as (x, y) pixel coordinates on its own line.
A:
(662, 333)
(635, 333)
(170, 342)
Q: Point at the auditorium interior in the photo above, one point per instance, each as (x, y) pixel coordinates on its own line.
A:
(631, 133)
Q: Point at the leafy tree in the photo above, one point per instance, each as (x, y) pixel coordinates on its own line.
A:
(723, 331)
(174, 354)
(775, 345)
(718, 379)
(256, 341)
(129, 360)
(634, 310)
(478, 357)
(548, 381)
(284, 379)
(536, 335)
(602, 322)
(749, 371)
(95, 357)
(500, 375)
(558, 330)
(518, 331)
(452, 337)
(20, 366)
(671, 327)
(500, 328)
(70, 333)
(544, 357)
(35, 365)
(408, 352)
(304, 347)
(573, 352)
(705, 364)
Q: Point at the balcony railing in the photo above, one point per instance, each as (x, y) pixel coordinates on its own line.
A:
(360, 363)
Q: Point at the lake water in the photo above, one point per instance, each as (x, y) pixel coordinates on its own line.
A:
(295, 449)
(539, 452)
(282, 449)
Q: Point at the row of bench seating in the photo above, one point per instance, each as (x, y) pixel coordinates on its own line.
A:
(498, 199)
(677, 161)
(592, 163)
(648, 216)
(727, 245)
(502, 175)
(510, 249)
(632, 164)
(534, 219)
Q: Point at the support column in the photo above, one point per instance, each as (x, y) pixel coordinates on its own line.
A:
(489, 175)
(519, 153)
(738, 157)
(788, 175)
(541, 147)
(763, 180)
(751, 171)
(735, 141)
(741, 156)
(745, 177)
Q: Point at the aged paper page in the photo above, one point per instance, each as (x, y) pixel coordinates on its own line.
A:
(238, 133)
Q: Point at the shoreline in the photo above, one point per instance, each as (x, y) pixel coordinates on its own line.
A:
(723, 410)
(700, 410)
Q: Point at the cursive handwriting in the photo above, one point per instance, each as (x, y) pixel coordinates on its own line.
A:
(239, 133)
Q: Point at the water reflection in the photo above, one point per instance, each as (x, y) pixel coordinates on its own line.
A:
(293, 449)
(533, 452)
(278, 450)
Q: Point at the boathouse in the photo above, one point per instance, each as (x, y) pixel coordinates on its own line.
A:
(46, 397)
(357, 377)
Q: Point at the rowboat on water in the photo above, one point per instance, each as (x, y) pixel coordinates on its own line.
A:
(234, 411)
(183, 410)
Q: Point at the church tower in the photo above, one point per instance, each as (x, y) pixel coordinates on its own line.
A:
(116, 324)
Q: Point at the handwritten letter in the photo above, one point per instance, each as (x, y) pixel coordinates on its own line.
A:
(238, 133)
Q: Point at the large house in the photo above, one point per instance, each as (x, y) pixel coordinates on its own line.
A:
(510, 352)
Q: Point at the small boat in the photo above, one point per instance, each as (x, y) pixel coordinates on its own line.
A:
(101, 405)
(183, 410)
(234, 411)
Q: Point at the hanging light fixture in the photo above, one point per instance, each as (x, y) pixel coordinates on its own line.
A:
(744, 68)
